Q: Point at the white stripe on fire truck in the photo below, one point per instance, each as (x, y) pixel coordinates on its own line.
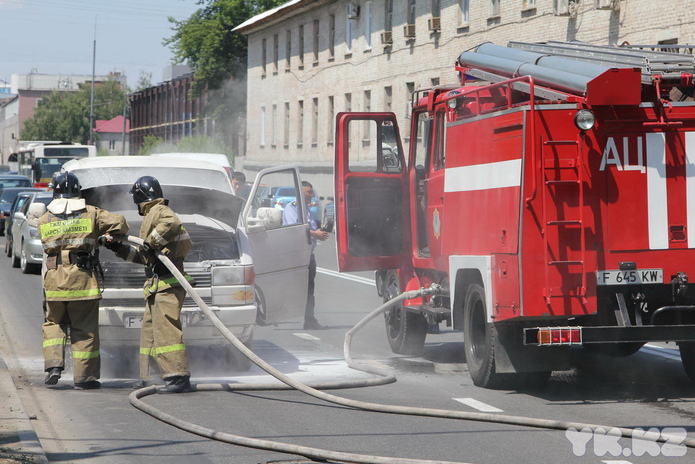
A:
(690, 185)
(483, 176)
(656, 191)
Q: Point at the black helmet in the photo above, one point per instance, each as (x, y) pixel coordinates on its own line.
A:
(146, 188)
(65, 185)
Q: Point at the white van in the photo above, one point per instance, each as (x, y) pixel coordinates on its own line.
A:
(215, 158)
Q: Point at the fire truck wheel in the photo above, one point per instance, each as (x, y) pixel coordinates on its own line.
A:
(479, 339)
(688, 358)
(406, 330)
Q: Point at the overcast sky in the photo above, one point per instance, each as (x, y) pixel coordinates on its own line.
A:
(57, 36)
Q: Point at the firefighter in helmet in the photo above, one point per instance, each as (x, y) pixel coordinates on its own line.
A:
(69, 232)
(161, 336)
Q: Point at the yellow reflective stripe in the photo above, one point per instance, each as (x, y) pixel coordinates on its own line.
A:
(67, 226)
(85, 354)
(162, 349)
(163, 282)
(72, 293)
(53, 342)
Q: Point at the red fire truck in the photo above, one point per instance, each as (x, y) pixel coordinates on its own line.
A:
(551, 195)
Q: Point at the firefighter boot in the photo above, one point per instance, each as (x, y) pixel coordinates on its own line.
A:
(176, 384)
(90, 385)
(52, 375)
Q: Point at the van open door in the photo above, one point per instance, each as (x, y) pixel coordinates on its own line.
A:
(371, 186)
(281, 252)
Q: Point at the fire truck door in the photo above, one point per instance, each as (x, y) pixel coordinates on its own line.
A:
(372, 199)
(280, 252)
(435, 188)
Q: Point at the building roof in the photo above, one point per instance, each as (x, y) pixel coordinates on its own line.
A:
(114, 125)
(262, 18)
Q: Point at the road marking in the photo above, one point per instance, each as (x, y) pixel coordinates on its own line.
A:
(475, 404)
(662, 352)
(305, 336)
(354, 278)
(616, 462)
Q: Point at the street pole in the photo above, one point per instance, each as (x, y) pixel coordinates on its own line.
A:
(91, 99)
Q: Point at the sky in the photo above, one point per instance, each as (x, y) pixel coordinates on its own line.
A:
(58, 36)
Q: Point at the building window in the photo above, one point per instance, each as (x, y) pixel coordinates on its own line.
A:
(274, 126)
(286, 133)
(276, 52)
(331, 119)
(300, 123)
(410, 90)
(367, 107)
(411, 13)
(314, 121)
(288, 50)
(529, 4)
(388, 17)
(348, 102)
(331, 36)
(316, 42)
(348, 35)
(112, 144)
(368, 24)
(262, 126)
(436, 9)
(300, 52)
(263, 57)
(494, 8)
(388, 99)
(435, 81)
(464, 12)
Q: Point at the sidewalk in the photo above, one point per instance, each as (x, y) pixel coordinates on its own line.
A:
(18, 441)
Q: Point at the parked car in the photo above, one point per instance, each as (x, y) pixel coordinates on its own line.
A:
(235, 268)
(7, 198)
(286, 195)
(27, 251)
(14, 180)
(8, 216)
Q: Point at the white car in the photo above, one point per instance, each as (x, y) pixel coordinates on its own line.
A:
(243, 266)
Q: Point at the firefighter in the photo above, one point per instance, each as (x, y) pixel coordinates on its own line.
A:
(161, 336)
(69, 231)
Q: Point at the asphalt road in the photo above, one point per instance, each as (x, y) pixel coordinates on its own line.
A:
(646, 390)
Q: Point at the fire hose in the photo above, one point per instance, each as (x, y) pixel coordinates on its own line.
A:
(314, 390)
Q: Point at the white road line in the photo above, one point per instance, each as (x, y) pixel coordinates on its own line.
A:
(354, 278)
(305, 336)
(661, 351)
(475, 404)
(616, 462)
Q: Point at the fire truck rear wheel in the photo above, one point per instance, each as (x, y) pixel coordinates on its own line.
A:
(406, 330)
(479, 339)
(688, 358)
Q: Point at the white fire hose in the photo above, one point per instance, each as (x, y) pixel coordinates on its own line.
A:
(367, 406)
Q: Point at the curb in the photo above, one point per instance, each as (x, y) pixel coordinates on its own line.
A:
(18, 440)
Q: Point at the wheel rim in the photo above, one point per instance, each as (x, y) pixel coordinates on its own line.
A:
(477, 334)
(23, 258)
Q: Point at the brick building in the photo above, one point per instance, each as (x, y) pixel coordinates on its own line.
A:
(310, 59)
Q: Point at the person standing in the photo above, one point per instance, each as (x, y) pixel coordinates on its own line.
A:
(161, 336)
(290, 215)
(69, 232)
(238, 183)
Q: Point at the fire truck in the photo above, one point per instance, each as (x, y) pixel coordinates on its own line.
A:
(550, 192)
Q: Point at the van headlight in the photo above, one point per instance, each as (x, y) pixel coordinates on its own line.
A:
(584, 120)
(233, 275)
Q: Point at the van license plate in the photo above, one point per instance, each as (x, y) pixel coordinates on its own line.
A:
(132, 322)
(633, 277)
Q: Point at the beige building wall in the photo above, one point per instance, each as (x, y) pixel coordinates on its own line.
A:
(293, 96)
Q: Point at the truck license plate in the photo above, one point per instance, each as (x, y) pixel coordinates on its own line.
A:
(633, 277)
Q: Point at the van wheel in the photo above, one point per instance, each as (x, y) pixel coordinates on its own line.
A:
(261, 310)
(8, 246)
(24, 265)
(406, 330)
(687, 350)
(16, 260)
(479, 340)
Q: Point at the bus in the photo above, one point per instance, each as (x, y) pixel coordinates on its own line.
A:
(40, 162)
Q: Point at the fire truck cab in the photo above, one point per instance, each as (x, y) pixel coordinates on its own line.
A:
(551, 194)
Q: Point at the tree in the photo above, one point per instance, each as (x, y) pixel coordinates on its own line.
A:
(207, 43)
(65, 115)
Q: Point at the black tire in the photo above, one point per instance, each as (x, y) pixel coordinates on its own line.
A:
(687, 350)
(405, 330)
(16, 260)
(8, 246)
(479, 340)
(261, 312)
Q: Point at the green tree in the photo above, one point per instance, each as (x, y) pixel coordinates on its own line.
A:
(207, 43)
(65, 115)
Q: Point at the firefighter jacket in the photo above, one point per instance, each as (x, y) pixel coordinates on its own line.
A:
(163, 231)
(69, 231)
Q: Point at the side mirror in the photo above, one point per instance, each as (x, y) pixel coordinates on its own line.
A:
(36, 210)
